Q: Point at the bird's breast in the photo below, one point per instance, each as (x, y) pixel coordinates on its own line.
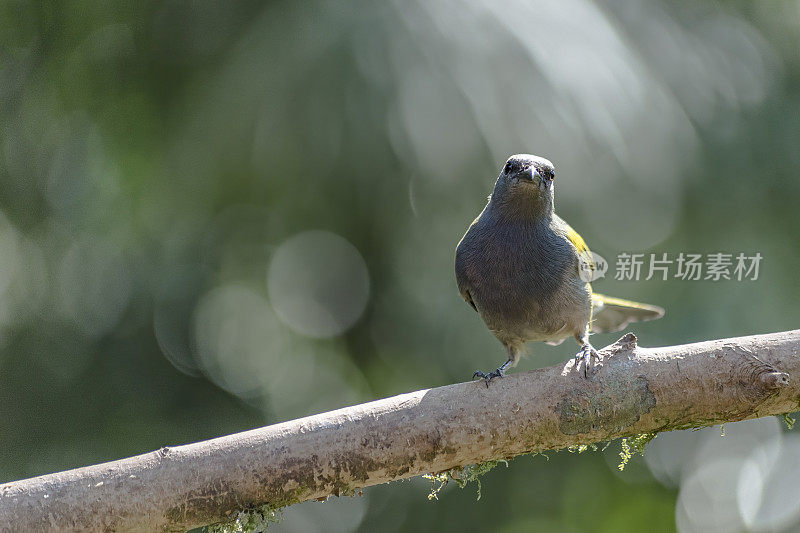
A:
(522, 283)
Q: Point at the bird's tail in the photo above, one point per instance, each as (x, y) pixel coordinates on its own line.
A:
(613, 314)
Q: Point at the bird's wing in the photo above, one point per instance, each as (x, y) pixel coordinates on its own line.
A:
(468, 298)
(576, 239)
(584, 255)
(612, 314)
(609, 313)
(461, 277)
(580, 245)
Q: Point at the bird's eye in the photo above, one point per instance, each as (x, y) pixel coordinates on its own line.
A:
(508, 167)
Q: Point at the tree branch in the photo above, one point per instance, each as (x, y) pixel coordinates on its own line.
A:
(635, 390)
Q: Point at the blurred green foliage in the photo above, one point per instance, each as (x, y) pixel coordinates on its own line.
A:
(156, 156)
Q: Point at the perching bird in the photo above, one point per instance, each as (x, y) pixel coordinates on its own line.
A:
(518, 267)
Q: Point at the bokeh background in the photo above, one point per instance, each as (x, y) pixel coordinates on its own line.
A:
(220, 215)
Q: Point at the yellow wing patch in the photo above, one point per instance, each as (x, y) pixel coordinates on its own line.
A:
(584, 254)
(576, 240)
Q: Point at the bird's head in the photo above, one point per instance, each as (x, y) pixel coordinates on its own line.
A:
(525, 185)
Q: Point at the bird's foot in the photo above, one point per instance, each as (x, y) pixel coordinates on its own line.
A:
(585, 358)
(497, 373)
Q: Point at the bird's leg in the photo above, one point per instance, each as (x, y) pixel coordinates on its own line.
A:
(586, 355)
(499, 372)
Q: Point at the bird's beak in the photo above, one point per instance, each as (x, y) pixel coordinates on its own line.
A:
(532, 176)
(544, 183)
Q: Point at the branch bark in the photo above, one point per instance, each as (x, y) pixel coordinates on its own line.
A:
(634, 390)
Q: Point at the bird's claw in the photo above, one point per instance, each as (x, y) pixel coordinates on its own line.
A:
(585, 358)
(497, 373)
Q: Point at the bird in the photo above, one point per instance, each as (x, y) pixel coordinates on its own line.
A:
(519, 266)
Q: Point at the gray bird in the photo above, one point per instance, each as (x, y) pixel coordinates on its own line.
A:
(518, 265)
